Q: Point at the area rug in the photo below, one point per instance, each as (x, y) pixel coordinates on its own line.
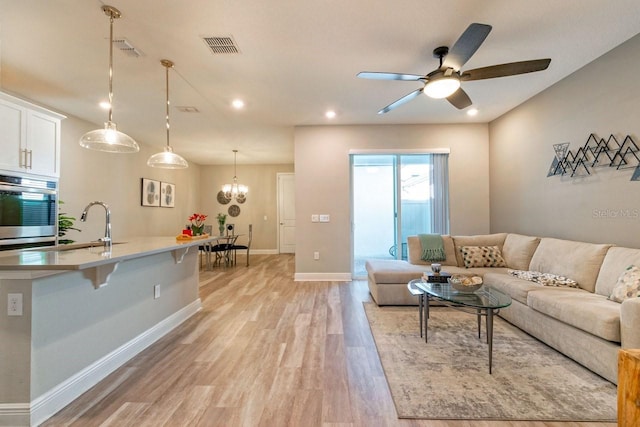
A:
(448, 377)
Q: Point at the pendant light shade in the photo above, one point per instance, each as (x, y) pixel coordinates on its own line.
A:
(167, 159)
(235, 191)
(109, 139)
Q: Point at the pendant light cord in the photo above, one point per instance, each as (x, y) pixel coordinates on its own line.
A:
(110, 66)
(168, 126)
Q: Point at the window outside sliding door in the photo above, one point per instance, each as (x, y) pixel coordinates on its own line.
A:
(395, 196)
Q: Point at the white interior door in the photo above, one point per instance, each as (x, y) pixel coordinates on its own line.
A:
(286, 213)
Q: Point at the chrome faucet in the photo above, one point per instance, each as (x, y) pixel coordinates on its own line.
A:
(107, 229)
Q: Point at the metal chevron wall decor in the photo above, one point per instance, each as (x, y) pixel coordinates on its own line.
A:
(596, 153)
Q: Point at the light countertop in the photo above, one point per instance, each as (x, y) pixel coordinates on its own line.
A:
(77, 257)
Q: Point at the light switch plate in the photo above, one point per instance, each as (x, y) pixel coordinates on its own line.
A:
(325, 218)
(315, 218)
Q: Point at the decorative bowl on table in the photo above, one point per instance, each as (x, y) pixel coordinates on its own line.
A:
(465, 284)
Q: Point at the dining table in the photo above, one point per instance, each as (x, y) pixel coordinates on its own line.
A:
(222, 248)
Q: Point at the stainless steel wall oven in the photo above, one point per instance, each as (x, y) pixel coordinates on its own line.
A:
(28, 212)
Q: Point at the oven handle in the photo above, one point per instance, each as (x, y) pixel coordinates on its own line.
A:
(15, 188)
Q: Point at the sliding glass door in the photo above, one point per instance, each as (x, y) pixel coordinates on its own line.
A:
(395, 196)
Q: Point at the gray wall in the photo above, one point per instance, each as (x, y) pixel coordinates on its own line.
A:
(261, 201)
(88, 175)
(601, 98)
(323, 182)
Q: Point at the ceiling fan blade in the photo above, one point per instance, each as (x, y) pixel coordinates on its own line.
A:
(389, 76)
(401, 101)
(459, 99)
(466, 45)
(504, 70)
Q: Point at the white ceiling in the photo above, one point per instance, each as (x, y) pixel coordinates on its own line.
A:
(297, 59)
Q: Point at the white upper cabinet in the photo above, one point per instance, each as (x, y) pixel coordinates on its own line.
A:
(29, 138)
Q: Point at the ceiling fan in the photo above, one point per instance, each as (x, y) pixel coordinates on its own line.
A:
(444, 82)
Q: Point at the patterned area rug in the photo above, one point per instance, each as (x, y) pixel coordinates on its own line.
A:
(448, 377)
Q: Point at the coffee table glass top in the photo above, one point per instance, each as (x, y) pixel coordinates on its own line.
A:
(485, 297)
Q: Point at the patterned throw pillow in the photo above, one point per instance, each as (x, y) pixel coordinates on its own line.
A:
(545, 279)
(627, 286)
(482, 256)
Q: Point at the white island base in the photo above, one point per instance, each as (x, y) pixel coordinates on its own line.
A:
(73, 332)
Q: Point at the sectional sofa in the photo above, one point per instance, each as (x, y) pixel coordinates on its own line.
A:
(582, 322)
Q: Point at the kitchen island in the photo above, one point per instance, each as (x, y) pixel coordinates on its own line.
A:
(71, 315)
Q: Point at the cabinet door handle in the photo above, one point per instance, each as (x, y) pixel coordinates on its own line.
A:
(30, 159)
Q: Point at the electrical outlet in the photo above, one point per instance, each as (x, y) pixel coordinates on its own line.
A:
(156, 292)
(316, 255)
(14, 304)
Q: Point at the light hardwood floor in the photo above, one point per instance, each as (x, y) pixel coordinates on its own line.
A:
(264, 351)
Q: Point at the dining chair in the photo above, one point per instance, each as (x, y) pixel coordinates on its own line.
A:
(246, 247)
(204, 249)
(223, 249)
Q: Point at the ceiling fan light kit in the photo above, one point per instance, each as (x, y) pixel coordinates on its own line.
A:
(445, 81)
(441, 86)
(110, 139)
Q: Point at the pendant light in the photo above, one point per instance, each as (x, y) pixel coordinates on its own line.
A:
(235, 190)
(109, 139)
(167, 159)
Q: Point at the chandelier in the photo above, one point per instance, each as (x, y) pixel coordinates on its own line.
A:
(110, 139)
(235, 190)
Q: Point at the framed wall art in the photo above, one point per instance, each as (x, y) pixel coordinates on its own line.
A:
(167, 195)
(150, 192)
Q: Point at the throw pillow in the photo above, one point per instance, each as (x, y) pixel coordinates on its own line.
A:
(627, 286)
(482, 256)
(545, 279)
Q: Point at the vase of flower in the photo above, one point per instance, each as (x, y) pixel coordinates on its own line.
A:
(197, 224)
(222, 218)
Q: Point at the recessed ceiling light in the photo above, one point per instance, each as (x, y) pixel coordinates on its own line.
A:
(104, 105)
(238, 104)
(472, 112)
(330, 114)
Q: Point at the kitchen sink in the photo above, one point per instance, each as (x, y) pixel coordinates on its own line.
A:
(72, 246)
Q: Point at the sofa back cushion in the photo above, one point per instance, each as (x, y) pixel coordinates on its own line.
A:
(615, 263)
(518, 250)
(415, 251)
(576, 260)
(479, 240)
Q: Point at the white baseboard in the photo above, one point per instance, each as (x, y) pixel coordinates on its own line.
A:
(322, 277)
(261, 252)
(14, 414)
(52, 401)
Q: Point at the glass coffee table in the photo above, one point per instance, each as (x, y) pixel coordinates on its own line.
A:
(486, 302)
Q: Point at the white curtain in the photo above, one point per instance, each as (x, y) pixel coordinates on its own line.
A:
(440, 182)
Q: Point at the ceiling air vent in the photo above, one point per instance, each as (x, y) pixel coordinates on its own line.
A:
(187, 109)
(221, 45)
(126, 47)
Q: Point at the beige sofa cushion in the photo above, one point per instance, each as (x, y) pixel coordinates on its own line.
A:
(576, 260)
(479, 240)
(512, 286)
(614, 264)
(384, 271)
(590, 312)
(415, 251)
(518, 250)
